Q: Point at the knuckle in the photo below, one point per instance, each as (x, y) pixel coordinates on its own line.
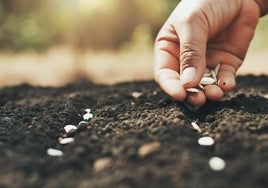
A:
(189, 54)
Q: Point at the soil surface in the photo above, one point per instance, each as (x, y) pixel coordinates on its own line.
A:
(132, 140)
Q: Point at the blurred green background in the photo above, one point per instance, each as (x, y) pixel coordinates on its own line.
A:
(85, 24)
(53, 42)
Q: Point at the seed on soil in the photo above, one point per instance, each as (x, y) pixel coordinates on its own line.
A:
(66, 140)
(196, 127)
(148, 148)
(192, 90)
(102, 164)
(87, 116)
(70, 128)
(136, 94)
(216, 163)
(54, 152)
(87, 110)
(206, 141)
(207, 81)
(83, 123)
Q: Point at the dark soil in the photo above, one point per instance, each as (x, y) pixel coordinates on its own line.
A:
(32, 120)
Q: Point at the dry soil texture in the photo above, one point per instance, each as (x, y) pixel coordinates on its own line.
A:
(147, 141)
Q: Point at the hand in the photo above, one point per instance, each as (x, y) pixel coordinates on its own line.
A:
(200, 34)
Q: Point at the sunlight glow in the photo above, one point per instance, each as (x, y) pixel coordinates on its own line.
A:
(91, 5)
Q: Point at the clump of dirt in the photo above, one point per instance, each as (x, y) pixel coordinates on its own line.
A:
(143, 140)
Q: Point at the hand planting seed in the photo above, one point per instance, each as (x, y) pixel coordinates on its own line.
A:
(209, 78)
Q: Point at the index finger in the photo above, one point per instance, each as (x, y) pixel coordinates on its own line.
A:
(166, 63)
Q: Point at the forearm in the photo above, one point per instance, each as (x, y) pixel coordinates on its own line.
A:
(263, 4)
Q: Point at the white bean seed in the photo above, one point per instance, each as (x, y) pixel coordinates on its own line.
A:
(192, 90)
(66, 140)
(69, 128)
(196, 127)
(216, 163)
(54, 152)
(87, 116)
(206, 141)
(87, 110)
(207, 81)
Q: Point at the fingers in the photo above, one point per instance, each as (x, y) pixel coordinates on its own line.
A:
(169, 81)
(226, 77)
(229, 64)
(193, 31)
(166, 63)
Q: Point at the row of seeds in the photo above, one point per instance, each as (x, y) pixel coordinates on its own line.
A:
(215, 163)
(69, 129)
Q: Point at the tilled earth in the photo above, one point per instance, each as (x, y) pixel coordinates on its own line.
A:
(132, 140)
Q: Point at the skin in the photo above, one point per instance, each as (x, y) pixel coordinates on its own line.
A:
(200, 34)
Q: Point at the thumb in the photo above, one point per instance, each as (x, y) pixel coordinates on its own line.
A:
(193, 40)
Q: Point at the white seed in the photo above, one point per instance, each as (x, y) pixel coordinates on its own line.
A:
(136, 94)
(266, 96)
(148, 148)
(196, 127)
(87, 116)
(192, 90)
(206, 141)
(54, 152)
(66, 140)
(217, 68)
(207, 81)
(214, 75)
(201, 86)
(87, 110)
(69, 128)
(83, 123)
(216, 163)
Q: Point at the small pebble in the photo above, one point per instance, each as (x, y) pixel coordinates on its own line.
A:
(216, 163)
(206, 141)
(148, 148)
(69, 128)
(102, 164)
(196, 127)
(136, 94)
(66, 140)
(87, 116)
(54, 152)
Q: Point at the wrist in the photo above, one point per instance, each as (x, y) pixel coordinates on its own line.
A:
(263, 4)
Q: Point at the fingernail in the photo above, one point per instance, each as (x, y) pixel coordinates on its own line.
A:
(188, 75)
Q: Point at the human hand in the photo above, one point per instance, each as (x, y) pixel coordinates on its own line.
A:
(200, 34)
